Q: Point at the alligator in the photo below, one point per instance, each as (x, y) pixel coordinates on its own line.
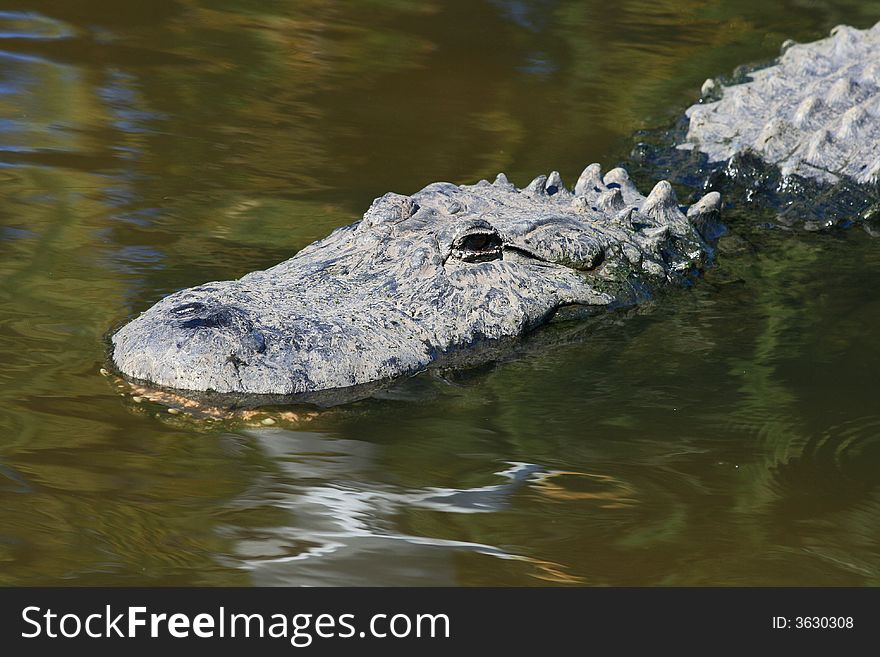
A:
(417, 277)
(800, 137)
(423, 276)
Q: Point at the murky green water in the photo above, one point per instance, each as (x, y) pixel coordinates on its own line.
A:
(729, 434)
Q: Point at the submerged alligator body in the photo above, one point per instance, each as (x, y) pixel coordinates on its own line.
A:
(451, 266)
(800, 137)
(417, 277)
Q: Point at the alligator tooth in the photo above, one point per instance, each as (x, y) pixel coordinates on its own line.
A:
(589, 180)
(661, 204)
(502, 182)
(554, 183)
(620, 177)
(611, 200)
(536, 186)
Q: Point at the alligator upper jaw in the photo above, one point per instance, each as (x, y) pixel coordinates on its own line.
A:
(213, 390)
(226, 342)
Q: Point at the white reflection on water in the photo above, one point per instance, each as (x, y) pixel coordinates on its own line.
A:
(342, 529)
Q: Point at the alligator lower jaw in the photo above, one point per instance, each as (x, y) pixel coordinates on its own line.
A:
(574, 311)
(181, 405)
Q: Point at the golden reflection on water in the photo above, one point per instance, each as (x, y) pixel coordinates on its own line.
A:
(610, 492)
(726, 435)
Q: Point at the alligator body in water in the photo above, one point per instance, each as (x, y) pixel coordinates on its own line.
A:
(417, 277)
(813, 114)
(800, 137)
(451, 266)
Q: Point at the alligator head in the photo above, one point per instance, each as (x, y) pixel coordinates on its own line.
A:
(418, 276)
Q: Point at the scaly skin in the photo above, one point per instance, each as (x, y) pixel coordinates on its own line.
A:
(800, 137)
(420, 276)
(815, 113)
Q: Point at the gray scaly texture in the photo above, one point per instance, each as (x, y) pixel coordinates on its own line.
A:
(418, 276)
(815, 113)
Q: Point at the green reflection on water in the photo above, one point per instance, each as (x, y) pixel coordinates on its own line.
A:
(727, 434)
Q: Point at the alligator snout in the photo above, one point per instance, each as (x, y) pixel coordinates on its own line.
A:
(178, 340)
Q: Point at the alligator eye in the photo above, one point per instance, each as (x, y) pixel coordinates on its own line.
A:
(480, 242)
(478, 247)
(188, 308)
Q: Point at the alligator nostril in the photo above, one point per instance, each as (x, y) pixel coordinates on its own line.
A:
(228, 319)
(188, 308)
(222, 318)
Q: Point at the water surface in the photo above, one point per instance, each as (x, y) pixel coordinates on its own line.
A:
(726, 434)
